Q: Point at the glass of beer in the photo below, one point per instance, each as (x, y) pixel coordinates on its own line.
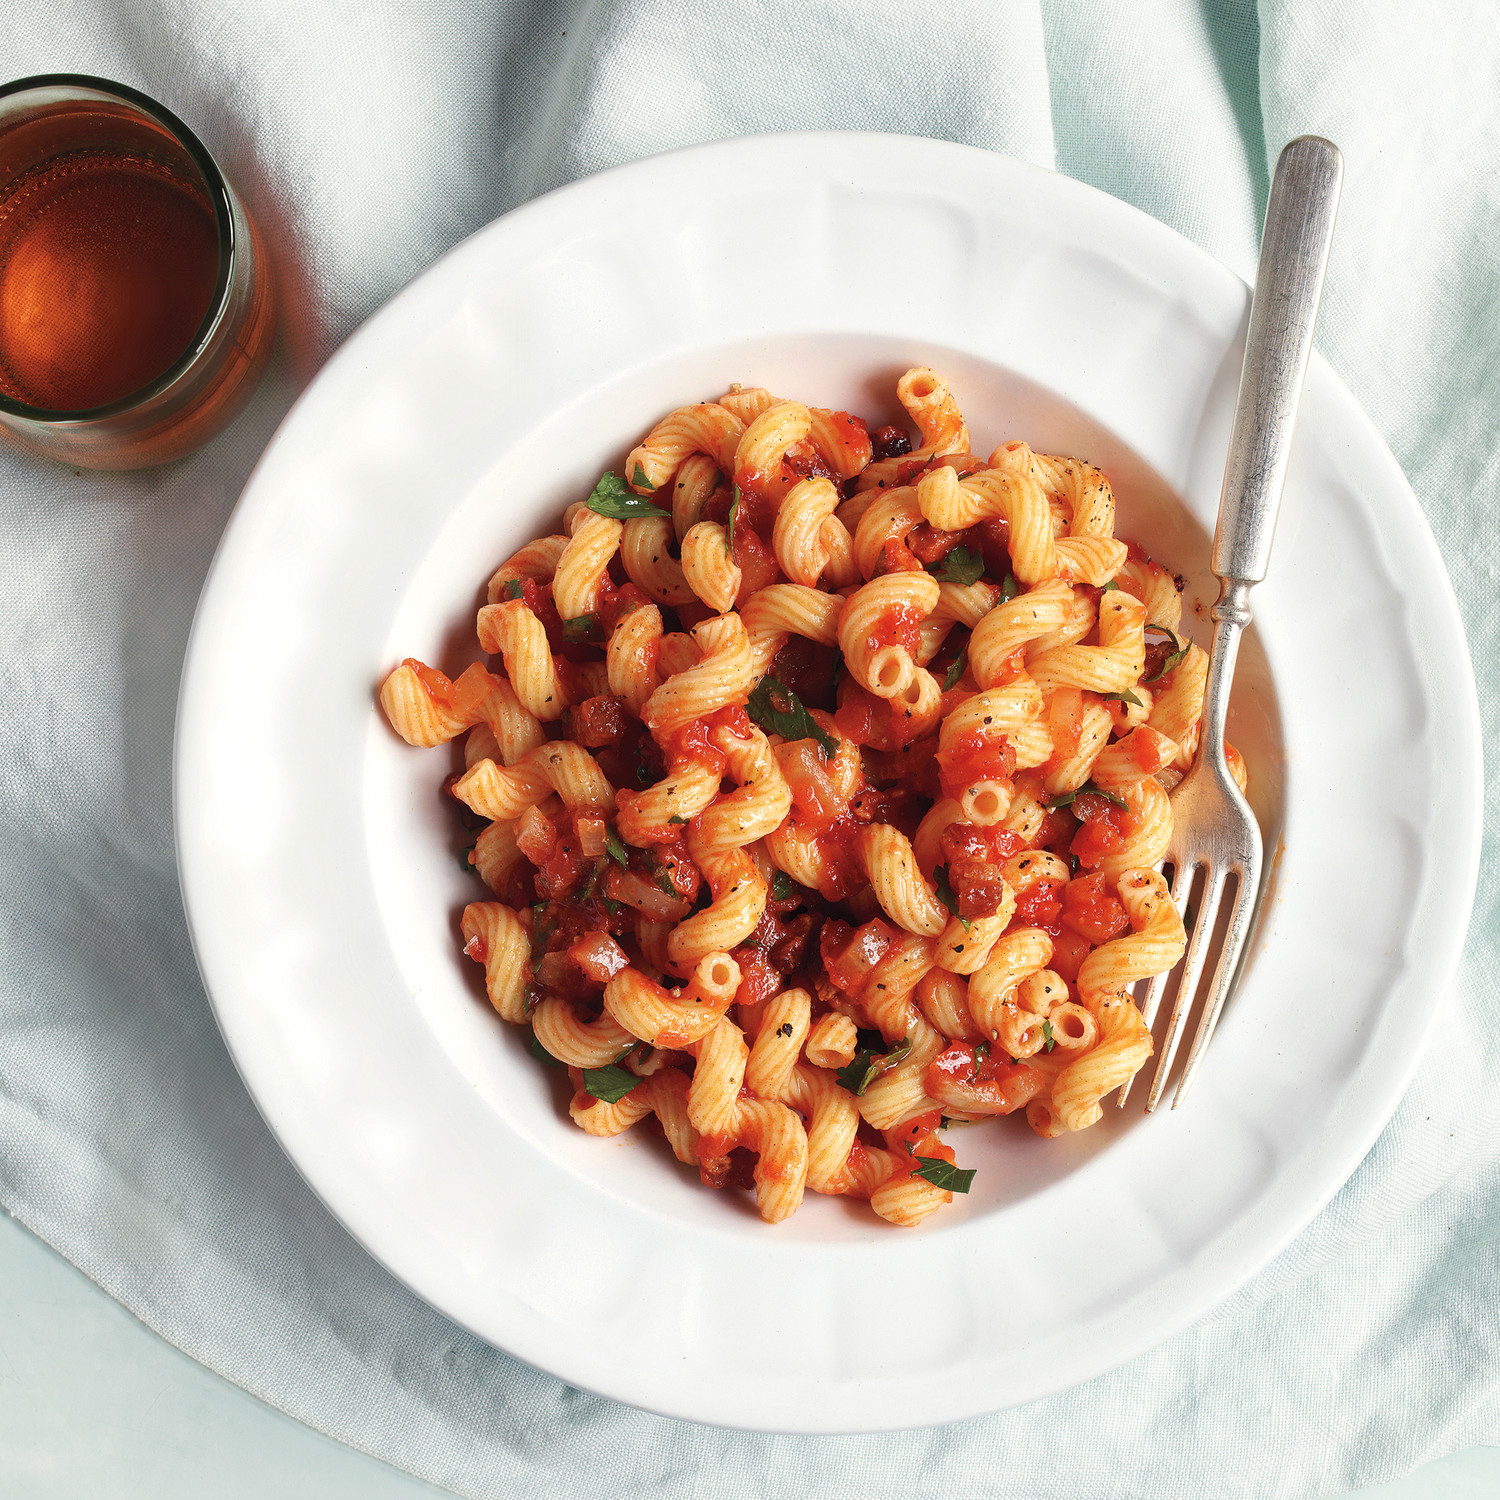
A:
(137, 309)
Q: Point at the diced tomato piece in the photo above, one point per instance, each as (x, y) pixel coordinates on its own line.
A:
(616, 600)
(900, 625)
(755, 559)
(1103, 831)
(1091, 909)
(758, 979)
(975, 756)
(849, 956)
(1040, 904)
(1068, 953)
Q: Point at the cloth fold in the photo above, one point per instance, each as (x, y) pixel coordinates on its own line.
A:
(370, 139)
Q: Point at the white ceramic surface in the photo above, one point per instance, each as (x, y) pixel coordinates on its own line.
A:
(317, 859)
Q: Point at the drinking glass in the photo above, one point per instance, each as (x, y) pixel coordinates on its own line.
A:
(137, 307)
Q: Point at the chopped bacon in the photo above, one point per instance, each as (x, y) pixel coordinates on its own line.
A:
(805, 462)
(929, 545)
(597, 722)
(1157, 653)
(808, 670)
(888, 442)
(849, 955)
(994, 546)
(974, 857)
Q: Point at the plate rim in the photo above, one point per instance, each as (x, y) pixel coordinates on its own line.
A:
(1467, 773)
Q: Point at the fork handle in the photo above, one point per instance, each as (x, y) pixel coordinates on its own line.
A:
(1293, 256)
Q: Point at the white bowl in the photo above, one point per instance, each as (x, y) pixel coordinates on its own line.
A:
(317, 856)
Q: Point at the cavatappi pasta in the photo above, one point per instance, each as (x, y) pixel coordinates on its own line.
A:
(819, 777)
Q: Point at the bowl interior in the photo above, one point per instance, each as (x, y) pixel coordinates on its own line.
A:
(413, 838)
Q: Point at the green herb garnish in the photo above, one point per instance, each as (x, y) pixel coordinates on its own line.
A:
(734, 515)
(612, 497)
(1009, 589)
(1047, 1033)
(614, 847)
(956, 670)
(866, 1066)
(464, 863)
(944, 892)
(1126, 697)
(541, 1053)
(1093, 791)
(778, 710)
(514, 588)
(611, 1084)
(582, 628)
(1182, 650)
(781, 886)
(961, 565)
(677, 818)
(944, 1174)
(639, 479)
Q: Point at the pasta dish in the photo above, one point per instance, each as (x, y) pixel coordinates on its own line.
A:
(818, 777)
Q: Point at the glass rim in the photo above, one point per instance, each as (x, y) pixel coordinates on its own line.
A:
(218, 193)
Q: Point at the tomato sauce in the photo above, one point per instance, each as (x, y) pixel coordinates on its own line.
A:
(899, 625)
(975, 755)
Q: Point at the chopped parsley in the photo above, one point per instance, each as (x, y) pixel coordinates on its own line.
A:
(614, 847)
(734, 515)
(781, 886)
(956, 670)
(611, 1083)
(1064, 799)
(1009, 589)
(1125, 697)
(944, 1174)
(1047, 1033)
(514, 588)
(464, 862)
(961, 565)
(866, 1066)
(612, 497)
(639, 479)
(1182, 648)
(778, 710)
(583, 628)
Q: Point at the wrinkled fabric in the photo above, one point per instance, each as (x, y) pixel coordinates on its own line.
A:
(370, 139)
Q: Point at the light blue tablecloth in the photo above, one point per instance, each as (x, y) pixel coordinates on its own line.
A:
(370, 138)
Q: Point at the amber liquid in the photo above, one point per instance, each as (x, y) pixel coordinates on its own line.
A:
(108, 262)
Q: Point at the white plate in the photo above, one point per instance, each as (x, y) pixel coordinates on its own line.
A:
(316, 855)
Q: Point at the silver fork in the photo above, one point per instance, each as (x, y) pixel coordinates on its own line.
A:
(1213, 827)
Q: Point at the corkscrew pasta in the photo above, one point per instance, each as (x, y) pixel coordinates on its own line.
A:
(818, 777)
